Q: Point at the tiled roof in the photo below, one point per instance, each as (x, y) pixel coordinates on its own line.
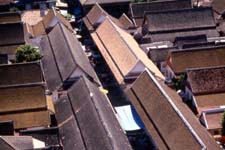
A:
(218, 6)
(93, 113)
(23, 104)
(167, 25)
(22, 73)
(196, 58)
(69, 48)
(174, 121)
(32, 17)
(207, 80)
(5, 2)
(214, 120)
(120, 50)
(210, 100)
(138, 9)
(12, 33)
(6, 17)
(97, 15)
(16, 142)
(92, 2)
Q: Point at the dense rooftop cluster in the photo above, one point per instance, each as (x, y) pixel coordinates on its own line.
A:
(108, 74)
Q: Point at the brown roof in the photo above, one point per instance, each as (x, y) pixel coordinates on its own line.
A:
(28, 119)
(125, 21)
(120, 50)
(207, 80)
(10, 17)
(16, 142)
(197, 58)
(218, 6)
(52, 13)
(5, 2)
(20, 73)
(217, 99)
(167, 126)
(43, 22)
(32, 17)
(97, 15)
(214, 120)
(92, 2)
(24, 103)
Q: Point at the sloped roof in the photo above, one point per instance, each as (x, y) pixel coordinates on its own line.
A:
(92, 2)
(69, 48)
(32, 17)
(23, 104)
(210, 100)
(44, 22)
(5, 2)
(171, 36)
(175, 122)
(138, 9)
(6, 17)
(93, 113)
(125, 21)
(69, 132)
(120, 50)
(20, 73)
(97, 15)
(174, 20)
(52, 13)
(50, 69)
(218, 6)
(196, 22)
(207, 80)
(197, 58)
(12, 33)
(213, 119)
(16, 142)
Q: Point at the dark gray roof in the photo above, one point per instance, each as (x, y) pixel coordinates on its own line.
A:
(180, 41)
(21, 73)
(92, 113)
(167, 25)
(48, 135)
(138, 9)
(170, 36)
(69, 132)
(50, 69)
(11, 33)
(180, 20)
(62, 47)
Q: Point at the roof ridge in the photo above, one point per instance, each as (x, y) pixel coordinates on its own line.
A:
(186, 123)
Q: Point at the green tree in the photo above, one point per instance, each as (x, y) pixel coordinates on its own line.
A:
(223, 124)
(27, 53)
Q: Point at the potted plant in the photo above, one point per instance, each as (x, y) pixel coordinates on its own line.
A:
(27, 53)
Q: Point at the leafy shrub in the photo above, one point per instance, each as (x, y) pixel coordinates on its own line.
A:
(223, 124)
(27, 53)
